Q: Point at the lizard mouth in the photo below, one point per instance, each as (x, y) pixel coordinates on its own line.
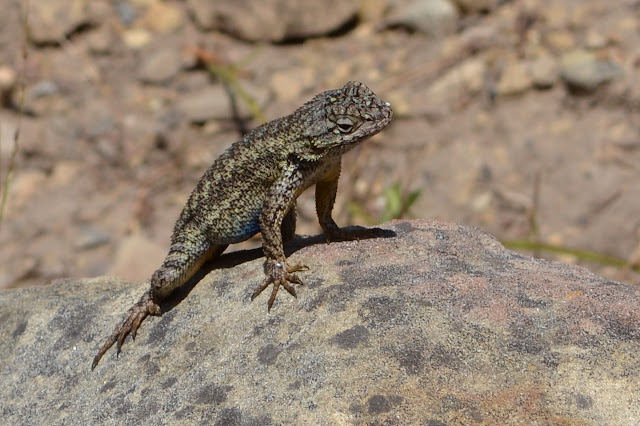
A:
(379, 117)
(387, 112)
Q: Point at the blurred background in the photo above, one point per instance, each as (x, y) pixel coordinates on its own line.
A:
(519, 117)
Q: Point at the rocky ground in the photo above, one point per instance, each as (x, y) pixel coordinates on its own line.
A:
(520, 117)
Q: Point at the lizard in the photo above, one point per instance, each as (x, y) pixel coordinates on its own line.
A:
(253, 186)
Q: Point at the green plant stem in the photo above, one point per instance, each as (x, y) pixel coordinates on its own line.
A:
(583, 255)
(16, 136)
(228, 75)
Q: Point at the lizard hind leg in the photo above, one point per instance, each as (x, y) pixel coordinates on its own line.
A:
(188, 252)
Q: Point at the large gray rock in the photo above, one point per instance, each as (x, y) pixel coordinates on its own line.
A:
(437, 18)
(273, 20)
(214, 103)
(583, 70)
(51, 21)
(438, 324)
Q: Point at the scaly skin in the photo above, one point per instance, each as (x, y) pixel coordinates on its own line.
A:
(252, 187)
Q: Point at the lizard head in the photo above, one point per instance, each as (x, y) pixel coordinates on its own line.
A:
(353, 114)
(342, 118)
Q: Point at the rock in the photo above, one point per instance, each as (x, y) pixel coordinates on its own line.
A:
(42, 98)
(26, 185)
(595, 40)
(8, 79)
(159, 66)
(7, 142)
(436, 18)
(475, 6)
(481, 37)
(214, 103)
(437, 325)
(19, 269)
(289, 84)
(585, 71)
(129, 263)
(163, 17)
(372, 10)
(51, 21)
(100, 41)
(273, 20)
(89, 236)
(561, 40)
(555, 15)
(515, 79)
(141, 138)
(209, 103)
(65, 172)
(136, 38)
(192, 81)
(467, 77)
(544, 71)
(126, 12)
(44, 88)
(100, 119)
(46, 139)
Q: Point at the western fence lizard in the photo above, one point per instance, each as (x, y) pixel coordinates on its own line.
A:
(253, 186)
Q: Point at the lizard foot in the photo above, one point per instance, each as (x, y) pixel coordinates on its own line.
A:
(138, 312)
(279, 274)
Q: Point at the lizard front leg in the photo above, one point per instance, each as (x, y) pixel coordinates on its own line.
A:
(326, 190)
(278, 205)
(289, 224)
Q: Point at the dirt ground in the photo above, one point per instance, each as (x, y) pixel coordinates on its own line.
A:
(520, 117)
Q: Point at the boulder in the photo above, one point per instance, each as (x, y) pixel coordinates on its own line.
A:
(273, 20)
(431, 323)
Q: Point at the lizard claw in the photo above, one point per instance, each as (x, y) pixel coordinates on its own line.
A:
(138, 312)
(279, 274)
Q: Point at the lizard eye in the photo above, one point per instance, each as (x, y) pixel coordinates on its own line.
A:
(345, 124)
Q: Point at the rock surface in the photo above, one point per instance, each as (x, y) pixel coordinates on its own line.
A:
(273, 20)
(584, 70)
(434, 324)
(433, 17)
(52, 21)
